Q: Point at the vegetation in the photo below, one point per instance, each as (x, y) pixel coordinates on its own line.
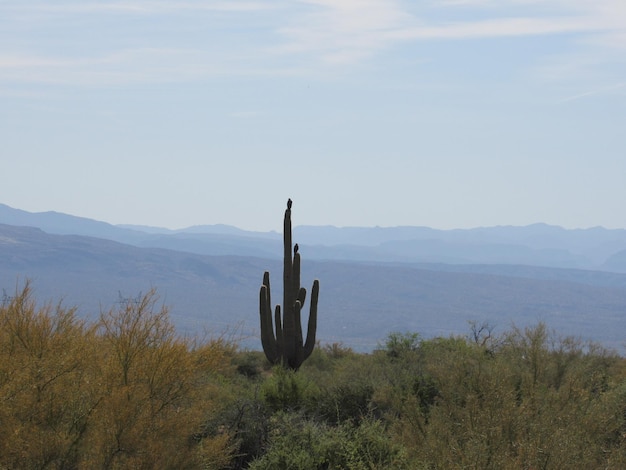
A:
(127, 392)
(286, 346)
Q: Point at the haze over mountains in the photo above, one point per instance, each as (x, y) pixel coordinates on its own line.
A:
(373, 280)
(537, 245)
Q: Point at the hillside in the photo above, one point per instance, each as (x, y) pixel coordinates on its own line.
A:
(534, 245)
(359, 303)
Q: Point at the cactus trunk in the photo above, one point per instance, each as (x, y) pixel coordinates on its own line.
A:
(282, 340)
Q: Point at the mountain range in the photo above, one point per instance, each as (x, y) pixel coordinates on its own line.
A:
(373, 280)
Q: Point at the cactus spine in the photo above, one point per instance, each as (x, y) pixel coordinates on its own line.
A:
(283, 341)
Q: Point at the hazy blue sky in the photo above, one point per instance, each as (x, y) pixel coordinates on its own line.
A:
(445, 113)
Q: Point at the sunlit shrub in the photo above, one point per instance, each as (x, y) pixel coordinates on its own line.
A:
(299, 444)
(287, 390)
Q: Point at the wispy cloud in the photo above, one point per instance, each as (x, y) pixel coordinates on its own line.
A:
(92, 44)
(122, 67)
(348, 31)
(499, 27)
(245, 114)
(298, 35)
(138, 6)
(343, 31)
(599, 91)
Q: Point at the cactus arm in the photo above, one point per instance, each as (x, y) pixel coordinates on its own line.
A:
(268, 339)
(280, 337)
(297, 309)
(312, 326)
(301, 295)
(295, 286)
(295, 361)
(268, 298)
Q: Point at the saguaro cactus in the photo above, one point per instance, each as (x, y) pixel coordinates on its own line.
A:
(283, 341)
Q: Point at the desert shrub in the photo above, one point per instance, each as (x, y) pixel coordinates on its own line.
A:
(344, 402)
(299, 444)
(294, 443)
(337, 351)
(326, 357)
(246, 419)
(147, 381)
(128, 392)
(401, 343)
(369, 446)
(47, 387)
(534, 402)
(125, 393)
(287, 390)
(345, 388)
(249, 364)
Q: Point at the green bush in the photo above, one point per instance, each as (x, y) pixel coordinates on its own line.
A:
(127, 392)
(398, 344)
(249, 364)
(286, 390)
(298, 444)
(345, 402)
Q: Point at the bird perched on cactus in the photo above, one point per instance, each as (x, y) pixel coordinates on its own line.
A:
(282, 339)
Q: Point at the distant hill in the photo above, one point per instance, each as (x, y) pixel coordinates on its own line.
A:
(537, 244)
(533, 245)
(616, 262)
(211, 240)
(360, 303)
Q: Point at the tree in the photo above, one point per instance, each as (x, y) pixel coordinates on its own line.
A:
(47, 397)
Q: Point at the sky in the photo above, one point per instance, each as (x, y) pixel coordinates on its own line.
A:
(439, 113)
